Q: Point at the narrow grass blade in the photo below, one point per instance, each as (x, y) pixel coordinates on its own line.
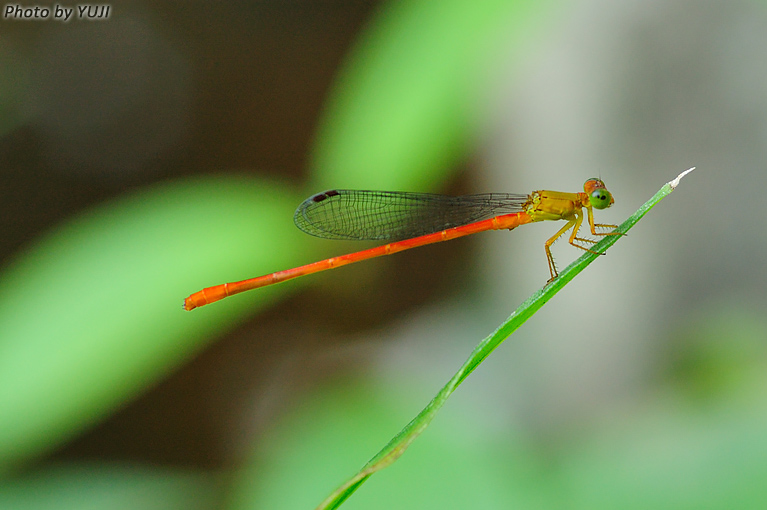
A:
(412, 430)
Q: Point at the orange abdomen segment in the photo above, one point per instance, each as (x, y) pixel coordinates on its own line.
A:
(218, 292)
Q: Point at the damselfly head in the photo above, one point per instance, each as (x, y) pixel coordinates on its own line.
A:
(599, 197)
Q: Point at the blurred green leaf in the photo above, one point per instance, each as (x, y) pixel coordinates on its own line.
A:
(92, 313)
(402, 110)
(718, 352)
(670, 456)
(306, 450)
(97, 487)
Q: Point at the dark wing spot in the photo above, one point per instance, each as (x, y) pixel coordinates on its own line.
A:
(319, 197)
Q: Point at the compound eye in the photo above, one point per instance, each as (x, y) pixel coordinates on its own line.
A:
(601, 199)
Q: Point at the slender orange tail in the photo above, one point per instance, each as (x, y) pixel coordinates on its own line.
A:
(218, 292)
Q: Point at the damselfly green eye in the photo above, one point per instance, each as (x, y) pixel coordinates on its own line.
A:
(601, 199)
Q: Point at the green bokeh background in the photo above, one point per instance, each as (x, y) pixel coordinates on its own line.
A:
(164, 150)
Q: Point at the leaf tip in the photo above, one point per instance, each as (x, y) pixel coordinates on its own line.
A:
(675, 182)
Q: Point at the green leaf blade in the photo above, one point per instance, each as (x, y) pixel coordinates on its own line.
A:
(397, 446)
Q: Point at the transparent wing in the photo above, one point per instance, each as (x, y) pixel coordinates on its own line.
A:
(396, 215)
